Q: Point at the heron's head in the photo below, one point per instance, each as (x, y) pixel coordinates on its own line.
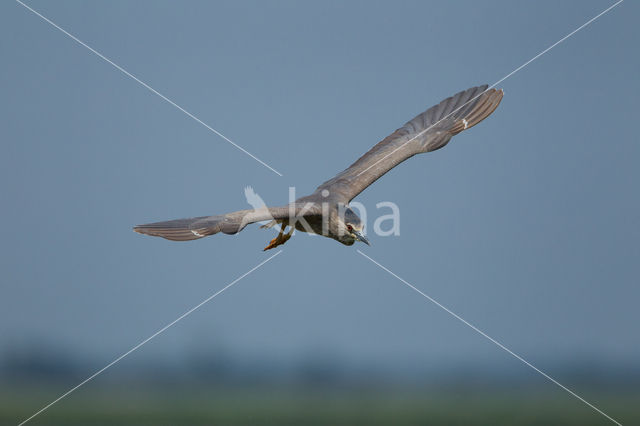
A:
(351, 228)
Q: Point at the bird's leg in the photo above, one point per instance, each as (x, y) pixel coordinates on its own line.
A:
(275, 242)
(281, 238)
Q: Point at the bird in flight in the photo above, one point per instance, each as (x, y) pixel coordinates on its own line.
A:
(326, 211)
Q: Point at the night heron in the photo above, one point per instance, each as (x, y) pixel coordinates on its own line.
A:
(326, 211)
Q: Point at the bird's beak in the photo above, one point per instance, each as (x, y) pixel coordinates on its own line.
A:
(361, 237)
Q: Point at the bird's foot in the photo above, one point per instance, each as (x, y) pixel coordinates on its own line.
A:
(279, 240)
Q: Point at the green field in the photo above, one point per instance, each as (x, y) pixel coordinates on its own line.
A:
(188, 406)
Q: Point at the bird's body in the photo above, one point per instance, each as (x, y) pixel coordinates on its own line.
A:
(326, 211)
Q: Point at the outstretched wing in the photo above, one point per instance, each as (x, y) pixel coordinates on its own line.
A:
(230, 223)
(427, 132)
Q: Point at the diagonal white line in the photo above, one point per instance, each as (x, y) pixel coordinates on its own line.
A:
(482, 333)
(128, 74)
(94, 375)
(497, 82)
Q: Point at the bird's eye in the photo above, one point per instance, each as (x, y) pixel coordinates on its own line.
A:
(350, 228)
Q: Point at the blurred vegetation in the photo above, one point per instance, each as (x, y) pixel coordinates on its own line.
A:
(209, 390)
(197, 406)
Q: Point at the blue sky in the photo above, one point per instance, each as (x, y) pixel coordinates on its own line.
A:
(526, 226)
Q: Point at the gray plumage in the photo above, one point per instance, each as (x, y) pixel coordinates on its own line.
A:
(326, 211)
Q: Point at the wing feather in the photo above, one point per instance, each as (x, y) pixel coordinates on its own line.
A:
(427, 132)
(230, 223)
